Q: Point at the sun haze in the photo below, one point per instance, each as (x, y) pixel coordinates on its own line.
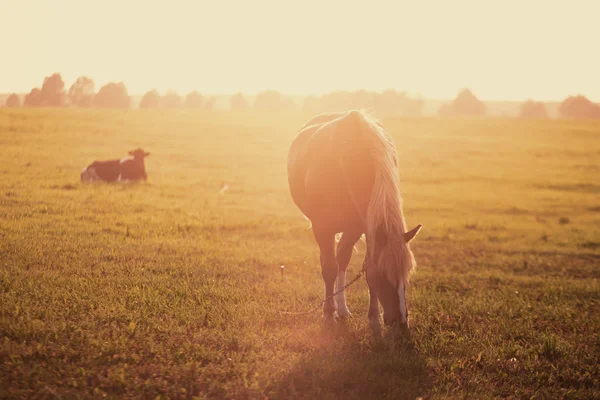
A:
(504, 50)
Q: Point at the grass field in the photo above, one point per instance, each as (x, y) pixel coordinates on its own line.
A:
(173, 289)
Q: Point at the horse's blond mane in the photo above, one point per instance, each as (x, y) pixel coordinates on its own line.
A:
(385, 206)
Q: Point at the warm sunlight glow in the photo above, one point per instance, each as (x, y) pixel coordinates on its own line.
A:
(505, 50)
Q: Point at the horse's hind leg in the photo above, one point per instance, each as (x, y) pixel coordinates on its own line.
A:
(329, 268)
(344, 253)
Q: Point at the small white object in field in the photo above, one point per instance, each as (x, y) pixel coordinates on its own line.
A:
(223, 188)
(282, 268)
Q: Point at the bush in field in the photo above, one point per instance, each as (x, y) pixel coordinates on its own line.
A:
(194, 100)
(112, 95)
(465, 103)
(171, 100)
(150, 100)
(13, 101)
(81, 93)
(33, 99)
(238, 102)
(533, 109)
(578, 107)
(53, 91)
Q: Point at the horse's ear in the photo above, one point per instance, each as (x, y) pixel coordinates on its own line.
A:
(408, 236)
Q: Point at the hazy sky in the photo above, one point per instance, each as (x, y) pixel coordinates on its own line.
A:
(501, 49)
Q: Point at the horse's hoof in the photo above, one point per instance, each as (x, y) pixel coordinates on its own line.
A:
(375, 322)
(344, 314)
(398, 332)
(330, 320)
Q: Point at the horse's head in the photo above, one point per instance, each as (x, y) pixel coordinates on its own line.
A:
(387, 279)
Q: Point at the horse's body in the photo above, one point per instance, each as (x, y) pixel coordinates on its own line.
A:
(342, 173)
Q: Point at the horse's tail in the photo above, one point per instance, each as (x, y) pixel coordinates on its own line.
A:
(384, 218)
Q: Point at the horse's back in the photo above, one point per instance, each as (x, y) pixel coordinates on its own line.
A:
(300, 158)
(318, 185)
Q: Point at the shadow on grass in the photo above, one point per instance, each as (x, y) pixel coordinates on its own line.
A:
(351, 367)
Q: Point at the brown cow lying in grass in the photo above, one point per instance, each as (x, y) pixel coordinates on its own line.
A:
(126, 169)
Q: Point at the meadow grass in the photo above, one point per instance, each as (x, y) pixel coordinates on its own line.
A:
(173, 289)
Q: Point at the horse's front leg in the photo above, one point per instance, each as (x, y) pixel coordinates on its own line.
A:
(329, 269)
(344, 253)
(374, 315)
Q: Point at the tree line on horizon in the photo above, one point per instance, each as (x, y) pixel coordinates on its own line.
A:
(466, 103)
(82, 94)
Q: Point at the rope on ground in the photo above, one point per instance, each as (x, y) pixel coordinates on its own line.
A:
(316, 307)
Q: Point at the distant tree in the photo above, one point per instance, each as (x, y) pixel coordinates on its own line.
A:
(210, 104)
(151, 99)
(465, 103)
(445, 110)
(171, 100)
(533, 109)
(311, 104)
(363, 99)
(53, 91)
(81, 93)
(194, 100)
(578, 107)
(390, 102)
(412, 106)
(337, 101)
(112, 95)
(13, 101)
(33, 99)
(288, 104)
(238, 102)
(268, 101)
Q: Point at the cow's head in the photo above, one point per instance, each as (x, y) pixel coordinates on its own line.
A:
(139, 153)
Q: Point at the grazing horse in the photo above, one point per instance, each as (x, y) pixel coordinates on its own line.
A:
(343, 175)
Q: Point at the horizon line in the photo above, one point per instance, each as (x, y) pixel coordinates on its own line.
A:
(415, 96)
